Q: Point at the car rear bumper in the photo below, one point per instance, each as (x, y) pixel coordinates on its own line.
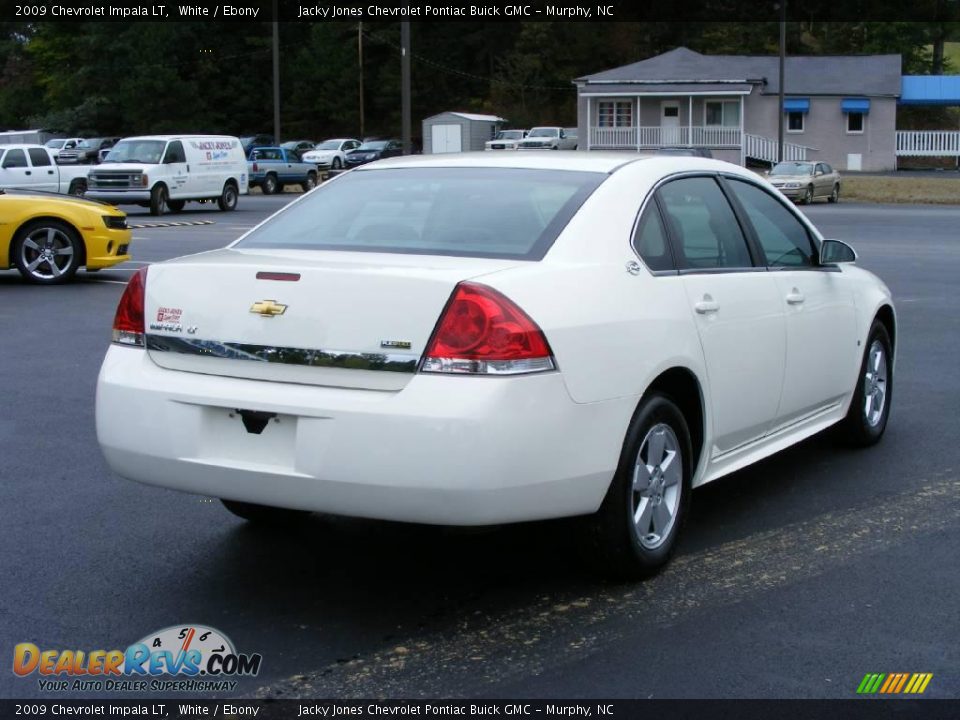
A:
(444, 450)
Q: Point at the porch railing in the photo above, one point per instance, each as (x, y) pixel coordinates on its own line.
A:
(764, 148)
(928, 143)
(656, 136)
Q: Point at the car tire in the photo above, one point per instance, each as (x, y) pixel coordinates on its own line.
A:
(38, 244)
(78, 187)
(311, 182)
(228, 197)
(835, 195)
(635, 531)
(807, 196)
(865, 424)
(264, 514)
(176, 205)
(270, 185)
(336, 164)
(158, 200)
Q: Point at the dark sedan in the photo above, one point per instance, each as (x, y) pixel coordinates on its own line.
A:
(374, 150)
(86, 152)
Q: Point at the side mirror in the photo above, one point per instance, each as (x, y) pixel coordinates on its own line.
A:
(834, 252)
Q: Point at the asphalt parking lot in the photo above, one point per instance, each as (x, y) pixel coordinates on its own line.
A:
(796, 577)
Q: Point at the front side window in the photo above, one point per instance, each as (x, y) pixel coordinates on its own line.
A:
(784, 239)
(175, 153)
(854, 122)
(464, 212)
(15, 159)
(795, 121)
(708, 234)
(650, 240)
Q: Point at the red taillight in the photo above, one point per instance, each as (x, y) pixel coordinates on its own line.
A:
(255, 167)
(483, 332)
(128, 327)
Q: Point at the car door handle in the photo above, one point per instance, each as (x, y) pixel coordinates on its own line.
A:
(28, 173)
(49, 172)
(795, 297)
(707, 305)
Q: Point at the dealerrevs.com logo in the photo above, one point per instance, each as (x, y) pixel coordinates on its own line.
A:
(186, 658)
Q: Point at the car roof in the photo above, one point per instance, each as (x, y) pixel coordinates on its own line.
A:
(528, 159)
(180, 137)
(22, 146)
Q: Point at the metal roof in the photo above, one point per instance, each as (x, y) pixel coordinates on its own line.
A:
(469, 116)
(930, 90)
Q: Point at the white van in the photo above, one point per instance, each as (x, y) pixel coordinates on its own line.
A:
(163, 172)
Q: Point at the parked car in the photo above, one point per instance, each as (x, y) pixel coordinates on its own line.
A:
(299, 146)
(685, 151)
(548, 138)
(271, 168)
(58, 144)
(505, 140)
(249, 142)
(87, 152)
(502, 395)
(32, 167)
(806, 181)
(164, 172)
(47, 238)
(332, 153)
(372, 150)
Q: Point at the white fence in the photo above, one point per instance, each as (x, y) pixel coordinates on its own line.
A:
(928, 143)
(762, 148)
(618, 138)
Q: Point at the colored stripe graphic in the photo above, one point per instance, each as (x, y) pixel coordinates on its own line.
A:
(894, 683)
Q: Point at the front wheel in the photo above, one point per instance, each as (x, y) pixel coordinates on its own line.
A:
(636, 529)
(47, 252)
(807, 196)
(228, 198)
(158, 200)
(263, 514)
(835, 195)
(336, 164)
(866, 419)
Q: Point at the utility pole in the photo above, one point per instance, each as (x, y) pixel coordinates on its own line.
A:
(405, 85)
(783, 60)
(276, 75)
(360, 68)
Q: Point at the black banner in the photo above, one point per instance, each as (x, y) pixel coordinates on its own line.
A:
(858, 709)
(474, 10)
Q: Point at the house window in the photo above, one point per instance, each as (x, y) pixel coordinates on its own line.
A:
(722, 113)
(615, 113)
(795, 122)
(854, 122)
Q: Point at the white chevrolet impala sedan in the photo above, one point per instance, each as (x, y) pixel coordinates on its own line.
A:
(493, 338)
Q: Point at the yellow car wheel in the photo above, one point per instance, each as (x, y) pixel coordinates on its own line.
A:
(47, 252)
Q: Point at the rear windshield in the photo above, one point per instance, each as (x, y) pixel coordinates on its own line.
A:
(467, 212)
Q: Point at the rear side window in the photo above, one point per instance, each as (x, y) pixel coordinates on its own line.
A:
(468, 212)
(650, 241)
(782, 236)
(38, 157)
(707, 232)
(15, 159)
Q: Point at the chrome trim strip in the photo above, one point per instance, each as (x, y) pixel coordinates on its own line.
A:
(391, 362)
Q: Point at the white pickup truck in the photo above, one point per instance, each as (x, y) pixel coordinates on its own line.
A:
(549, 138)
(32, 167)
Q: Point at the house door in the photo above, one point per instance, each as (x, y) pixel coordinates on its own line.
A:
(670, 123)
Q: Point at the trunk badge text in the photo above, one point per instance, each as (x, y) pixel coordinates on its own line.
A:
(399, 344)
(268, 308)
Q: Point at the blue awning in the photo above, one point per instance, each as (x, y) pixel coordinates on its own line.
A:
(855, 105)
(930, 90)
(796, 105)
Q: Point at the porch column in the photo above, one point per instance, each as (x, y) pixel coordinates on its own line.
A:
(589, 126)
(743, 155)
(638, 123)
(690, 120)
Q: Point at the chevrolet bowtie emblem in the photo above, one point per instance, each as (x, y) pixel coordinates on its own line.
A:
(268, 308)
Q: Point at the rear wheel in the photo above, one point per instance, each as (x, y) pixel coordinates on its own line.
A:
(866, 419)
(158, 200)
(311, 182)
(47, 252)
(269, 186)
(263, 514)
(228, 198)
(78, 187)
(636, 529)
(176, 205)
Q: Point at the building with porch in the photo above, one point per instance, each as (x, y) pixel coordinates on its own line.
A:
(837, 109)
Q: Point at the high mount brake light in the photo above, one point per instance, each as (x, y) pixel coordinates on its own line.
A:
(128, 325)
(482, 332)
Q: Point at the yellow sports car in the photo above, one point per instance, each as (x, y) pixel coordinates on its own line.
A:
(47, 237)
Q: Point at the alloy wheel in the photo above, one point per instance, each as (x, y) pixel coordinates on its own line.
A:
(657, 484)
(875, 384)
(47, 253)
